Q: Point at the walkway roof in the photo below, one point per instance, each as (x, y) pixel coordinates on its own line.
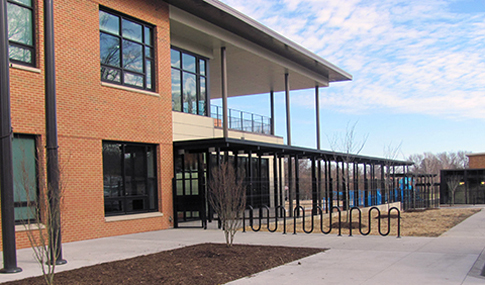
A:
(237, 145)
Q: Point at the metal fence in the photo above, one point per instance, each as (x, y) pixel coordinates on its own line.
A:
(242, 121)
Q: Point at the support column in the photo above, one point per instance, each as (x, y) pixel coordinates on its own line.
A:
(55, 242)
(319, 183)
(314, 187)
(6, 160)
(383, 186)
(271, 95)
(290, 181)
(366, 187)
(297, 183)
(317, 112)
(275, 183)
(356, 185)
(225, 123)
(337, 173)
(282, 198)
(288, 118)
(250, 177)
(330, 186)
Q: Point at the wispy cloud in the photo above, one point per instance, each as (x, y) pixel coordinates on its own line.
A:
(406, 56)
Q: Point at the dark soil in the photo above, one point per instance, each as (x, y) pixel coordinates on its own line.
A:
(198, 264)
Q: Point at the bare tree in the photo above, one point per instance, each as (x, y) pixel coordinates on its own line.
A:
(227, 196)
(429, 163)
(453, 182)
(349, 145)
(391, 153)
(43, 224)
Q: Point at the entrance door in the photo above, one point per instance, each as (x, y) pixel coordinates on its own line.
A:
(189, 190)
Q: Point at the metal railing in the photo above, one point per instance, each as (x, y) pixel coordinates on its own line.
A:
(242, 121)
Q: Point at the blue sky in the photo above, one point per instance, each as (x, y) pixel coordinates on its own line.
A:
(418, 69)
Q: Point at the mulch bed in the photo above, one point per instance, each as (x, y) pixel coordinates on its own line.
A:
(198, 264)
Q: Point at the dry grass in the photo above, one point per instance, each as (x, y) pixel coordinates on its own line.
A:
(426, 223)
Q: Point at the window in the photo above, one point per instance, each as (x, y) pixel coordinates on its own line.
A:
(25, 178)
(126, 48)
(130, 182)
(189, 78)
(20, 14)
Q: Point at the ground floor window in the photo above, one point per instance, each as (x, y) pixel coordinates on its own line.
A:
(25, 178)
(130, 181)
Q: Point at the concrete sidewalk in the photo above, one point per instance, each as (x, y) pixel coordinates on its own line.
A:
(454, 258)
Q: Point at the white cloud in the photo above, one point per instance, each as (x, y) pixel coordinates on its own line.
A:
(405, 56)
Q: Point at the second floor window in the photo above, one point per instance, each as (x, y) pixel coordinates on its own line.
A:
(126, 48)
(20, 14)
(189, 82)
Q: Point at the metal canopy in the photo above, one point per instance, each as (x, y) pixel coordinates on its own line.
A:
(236, 145)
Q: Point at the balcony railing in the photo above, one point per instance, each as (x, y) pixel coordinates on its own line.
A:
(242, 121)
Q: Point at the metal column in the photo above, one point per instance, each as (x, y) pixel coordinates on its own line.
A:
(225, 125)
(317, 112)
(288, 118)
(6, 160)
(271, 95)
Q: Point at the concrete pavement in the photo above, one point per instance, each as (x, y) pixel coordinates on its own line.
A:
(456, 257)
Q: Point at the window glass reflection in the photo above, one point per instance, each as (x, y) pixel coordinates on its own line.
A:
(132, 56)
(132, 31)
(190, 93)
(19, 24)
(109, 23)
(188, 62)
(175, 58)
(20, 54)
(110, 49)
(176, 93)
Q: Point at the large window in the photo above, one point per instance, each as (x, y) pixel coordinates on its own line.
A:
(25, 178)
(130, 181)
(21, 31)
(126, 47)
(189, 82)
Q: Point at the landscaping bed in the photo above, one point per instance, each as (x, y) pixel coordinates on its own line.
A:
(198, 264)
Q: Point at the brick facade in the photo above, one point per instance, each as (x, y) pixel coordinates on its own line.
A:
(476, 160)
(90, 112)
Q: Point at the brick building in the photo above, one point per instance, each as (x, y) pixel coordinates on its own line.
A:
(136, 128)
(476, 160)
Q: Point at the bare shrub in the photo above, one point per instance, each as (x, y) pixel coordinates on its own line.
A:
(43, 230)
(227, 196)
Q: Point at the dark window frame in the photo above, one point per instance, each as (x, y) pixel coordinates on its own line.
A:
(32, 47)
(38, 217)
(145, 57)
(126, 198)
(198, 76)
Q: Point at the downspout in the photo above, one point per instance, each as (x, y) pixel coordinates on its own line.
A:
(53, 192)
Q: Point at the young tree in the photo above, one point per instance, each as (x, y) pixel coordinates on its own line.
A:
(453, 182)
(350, 146)
(43, 224)
(227, 196)
(390, 153)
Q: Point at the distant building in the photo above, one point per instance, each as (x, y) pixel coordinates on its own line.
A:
(469, 183)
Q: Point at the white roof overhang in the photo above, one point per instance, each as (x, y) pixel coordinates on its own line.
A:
(257, 57)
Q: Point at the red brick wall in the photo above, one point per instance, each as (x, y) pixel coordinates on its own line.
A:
(89, 113)
(477, 161)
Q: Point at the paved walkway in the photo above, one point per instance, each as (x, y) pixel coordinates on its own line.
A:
(456, 257)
